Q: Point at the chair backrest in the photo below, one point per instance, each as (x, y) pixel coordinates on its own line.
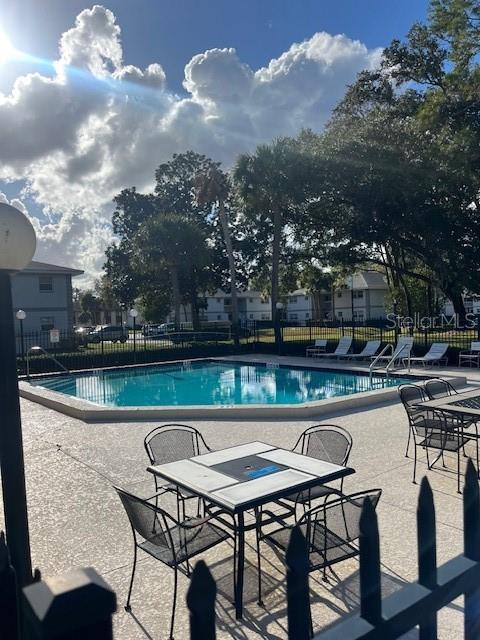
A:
(371, 348)
(475, 346)
(148, 521)
(437, 350)
(320, 343)
(325, 442)
(438, 388)
(172, 442)
(340, 516)
(343, 345)
(404, 346)
(411, 395)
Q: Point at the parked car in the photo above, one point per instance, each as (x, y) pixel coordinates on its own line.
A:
(158, 330)
(110, 332)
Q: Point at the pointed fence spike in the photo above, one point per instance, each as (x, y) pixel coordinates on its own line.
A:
(427, 554)
(426, 536)
(201, 596)
(471, 514)
(370, 587)
(298, 596)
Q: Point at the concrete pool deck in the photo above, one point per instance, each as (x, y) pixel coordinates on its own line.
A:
(77, 520)
(92, 412)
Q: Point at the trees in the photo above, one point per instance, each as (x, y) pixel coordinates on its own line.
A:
(399, 179)
(213, 188)
(273, 183)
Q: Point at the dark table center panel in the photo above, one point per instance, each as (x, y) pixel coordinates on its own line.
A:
(469, 403)
(248, 468)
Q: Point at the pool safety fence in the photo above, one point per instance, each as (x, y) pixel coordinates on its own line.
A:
(39, 353)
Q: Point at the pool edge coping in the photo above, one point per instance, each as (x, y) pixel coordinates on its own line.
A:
(90, 412)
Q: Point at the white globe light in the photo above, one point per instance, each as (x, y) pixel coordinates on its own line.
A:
(133, 313)
(279, 305)
(17, 239)
(21, 315)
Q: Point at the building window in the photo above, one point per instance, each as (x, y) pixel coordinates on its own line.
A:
(251, 316)
(219, 317)
(47, 323)
(250, 300)
(358, 294)
(340, 314)
(307, 315)
(265, 316)
(306, 298)
(339, 294)
(292, 300)
(45, 283)
(293, 316)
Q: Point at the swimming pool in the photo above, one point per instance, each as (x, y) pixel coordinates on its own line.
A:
(212, 383)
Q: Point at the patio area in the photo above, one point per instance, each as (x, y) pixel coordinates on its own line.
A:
(76, 518)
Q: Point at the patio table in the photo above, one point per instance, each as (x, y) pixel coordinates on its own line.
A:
(465, 407)
(246, 477)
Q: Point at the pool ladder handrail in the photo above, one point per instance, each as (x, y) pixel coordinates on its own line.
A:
(49, 355)
(396, 353)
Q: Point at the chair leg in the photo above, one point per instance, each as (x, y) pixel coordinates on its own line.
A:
(408, 441)
(414, 461)
(127, 606)
(259, 572)
(175, 584)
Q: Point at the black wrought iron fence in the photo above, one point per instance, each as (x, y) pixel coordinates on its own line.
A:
(81, 604)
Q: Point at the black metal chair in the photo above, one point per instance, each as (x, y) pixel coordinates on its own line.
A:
(330, 529)
(429, 429)
(167, 539)
(324, 442)
(169, 443)
(438, 388)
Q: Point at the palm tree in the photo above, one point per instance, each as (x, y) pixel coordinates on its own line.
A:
(212, 187)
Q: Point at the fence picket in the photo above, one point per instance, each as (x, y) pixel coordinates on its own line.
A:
(370, 587)
(471, 537)
(8, 600)
(298, 597)
(201, 596)
(427, 553)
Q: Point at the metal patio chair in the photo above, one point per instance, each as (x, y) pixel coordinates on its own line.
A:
(172, 542)
(438, 388)
(324, 442)
(429, 429)
(330, 529)
(172, 442)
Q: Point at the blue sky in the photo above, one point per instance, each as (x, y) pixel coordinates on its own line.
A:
(159, 77)
(172, 31)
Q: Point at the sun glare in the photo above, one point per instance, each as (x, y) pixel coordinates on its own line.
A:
(7, 50)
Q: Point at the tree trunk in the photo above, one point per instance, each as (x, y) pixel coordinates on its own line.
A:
(222, 215)
(456, 299)
(277, 235)
(175, 296)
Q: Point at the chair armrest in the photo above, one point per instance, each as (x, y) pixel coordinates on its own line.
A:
(160, 493)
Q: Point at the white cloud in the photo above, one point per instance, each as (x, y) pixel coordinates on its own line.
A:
(99, 125)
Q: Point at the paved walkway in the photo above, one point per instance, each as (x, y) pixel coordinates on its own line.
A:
(76, 518)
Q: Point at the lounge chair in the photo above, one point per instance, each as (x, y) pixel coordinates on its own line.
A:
(369, 350)
(342, 349)
(320, 346)
(471, 357)
(435, 355)
(400, 353)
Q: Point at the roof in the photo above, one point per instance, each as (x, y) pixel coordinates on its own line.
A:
(45, 267)
(240, 294)
(367, 280)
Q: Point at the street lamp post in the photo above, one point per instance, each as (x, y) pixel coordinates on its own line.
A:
(21, 315)
(17, 246)
(133, 314)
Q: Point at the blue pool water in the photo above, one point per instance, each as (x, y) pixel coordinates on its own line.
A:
(211, 383)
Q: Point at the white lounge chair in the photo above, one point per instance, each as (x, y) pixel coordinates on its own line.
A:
(435, 355)
(342, 349)
(401, 351)
(369, 350)
(472, 357)
(320, 346)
